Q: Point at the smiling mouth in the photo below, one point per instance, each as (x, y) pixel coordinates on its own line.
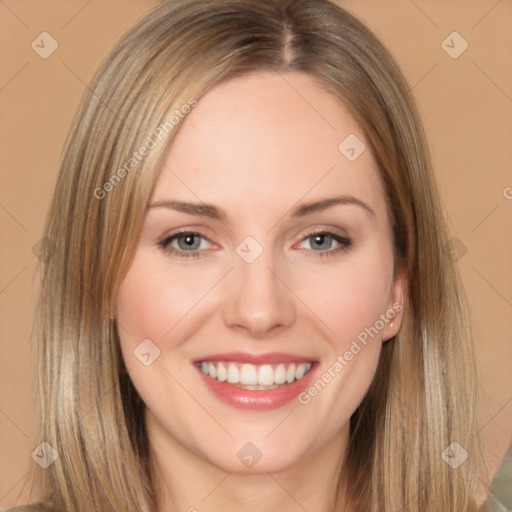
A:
(254, 377)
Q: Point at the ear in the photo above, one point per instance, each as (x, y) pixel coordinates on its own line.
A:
(394, 312)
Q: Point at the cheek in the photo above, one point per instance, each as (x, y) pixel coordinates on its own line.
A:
(151, 301)
(349, 297)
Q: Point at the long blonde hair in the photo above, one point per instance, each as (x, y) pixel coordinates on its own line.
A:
(423, 394)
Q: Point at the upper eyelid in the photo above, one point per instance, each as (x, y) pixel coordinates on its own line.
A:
(184, 232)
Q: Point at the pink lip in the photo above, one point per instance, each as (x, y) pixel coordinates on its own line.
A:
(257, 400)
(245, 357)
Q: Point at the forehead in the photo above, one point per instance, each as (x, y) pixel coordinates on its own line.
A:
(264, 141)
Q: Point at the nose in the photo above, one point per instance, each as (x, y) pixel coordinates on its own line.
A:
(258, 300)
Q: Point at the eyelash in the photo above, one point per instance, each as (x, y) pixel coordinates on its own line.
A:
(344, 242)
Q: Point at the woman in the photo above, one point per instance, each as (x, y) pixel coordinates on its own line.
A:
(252, 370)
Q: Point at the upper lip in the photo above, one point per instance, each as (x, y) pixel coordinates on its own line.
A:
(256, 359)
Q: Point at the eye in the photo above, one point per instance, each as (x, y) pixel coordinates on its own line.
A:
(188, 242)
(324, 240)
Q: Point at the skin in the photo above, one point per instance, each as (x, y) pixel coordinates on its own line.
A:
(256, 146)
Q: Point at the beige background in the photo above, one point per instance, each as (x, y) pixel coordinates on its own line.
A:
(466, 104)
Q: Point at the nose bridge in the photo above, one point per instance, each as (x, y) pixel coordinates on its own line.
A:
(257, 298)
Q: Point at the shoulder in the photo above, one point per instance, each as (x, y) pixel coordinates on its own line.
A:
(499, 498)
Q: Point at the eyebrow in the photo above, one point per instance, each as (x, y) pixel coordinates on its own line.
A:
(302, 210)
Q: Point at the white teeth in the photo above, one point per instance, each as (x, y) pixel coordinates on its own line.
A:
(290, 373)
(301, 370)
(255, 376)
(233, 374)
(266, 375)
(222, 373)
(248, 375)
(280, 374)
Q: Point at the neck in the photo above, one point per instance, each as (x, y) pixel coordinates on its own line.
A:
(187, 482)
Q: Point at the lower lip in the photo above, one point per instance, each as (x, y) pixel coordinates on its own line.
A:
(257, 400)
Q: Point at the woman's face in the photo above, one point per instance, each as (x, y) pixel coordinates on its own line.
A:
(275, 281)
